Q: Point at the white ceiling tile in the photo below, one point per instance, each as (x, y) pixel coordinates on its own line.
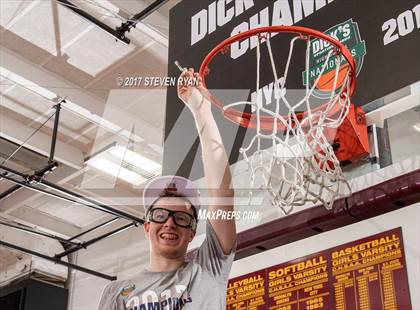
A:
(11, 10)
(53, 30)
(95, 51)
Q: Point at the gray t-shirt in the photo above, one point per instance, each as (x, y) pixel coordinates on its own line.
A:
(199, 284)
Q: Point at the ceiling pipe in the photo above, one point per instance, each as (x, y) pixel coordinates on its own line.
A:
(43, 191)
(120, 32)
(85, 244)
(94, 228)
(57, 108)
(134, 20)
(114, 211)
(72, 196)
(50, 167)
(10, 191)
(58, 261)
(39, 233)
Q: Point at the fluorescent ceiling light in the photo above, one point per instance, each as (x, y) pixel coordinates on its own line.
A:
(113, 169)
(417, 127)
(125, 164)
(135, 159)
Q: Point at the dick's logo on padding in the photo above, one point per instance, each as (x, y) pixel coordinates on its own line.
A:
(348, 34)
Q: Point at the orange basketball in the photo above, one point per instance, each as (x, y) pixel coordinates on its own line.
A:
(326, 81)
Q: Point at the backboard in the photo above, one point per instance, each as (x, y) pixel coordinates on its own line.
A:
(384, 47)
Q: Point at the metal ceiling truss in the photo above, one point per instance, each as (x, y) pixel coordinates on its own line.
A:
(85, 244)
(32, 182)
(51, 166)
(121, 31)
(36, 182)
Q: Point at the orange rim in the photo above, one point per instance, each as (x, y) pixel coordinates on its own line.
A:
(249, 120)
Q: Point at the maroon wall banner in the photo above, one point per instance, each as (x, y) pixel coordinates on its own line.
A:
(369, 273)
(247, 292)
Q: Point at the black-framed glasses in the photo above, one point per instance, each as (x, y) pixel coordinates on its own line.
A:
(181, 218)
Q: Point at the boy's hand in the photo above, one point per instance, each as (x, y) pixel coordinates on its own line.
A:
(195, 97)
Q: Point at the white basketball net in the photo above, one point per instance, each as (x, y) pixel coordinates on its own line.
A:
(300, 166)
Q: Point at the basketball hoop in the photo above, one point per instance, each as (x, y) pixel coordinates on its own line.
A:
(300, 166)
